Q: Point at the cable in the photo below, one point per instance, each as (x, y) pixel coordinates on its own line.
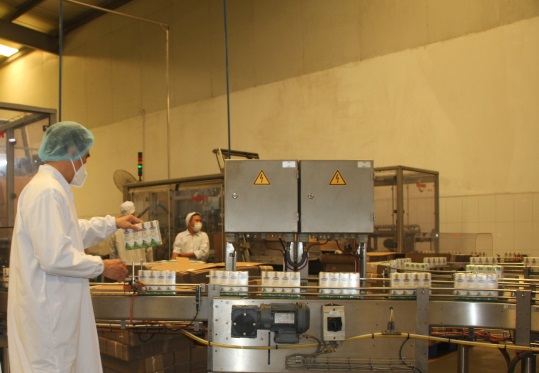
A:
(144, 340)
(315, 244)
(414, 368)
(505, 355)
(517, 359)
(302, 262)
(272, 248)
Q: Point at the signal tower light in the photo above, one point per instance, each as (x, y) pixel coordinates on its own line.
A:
(139, 166)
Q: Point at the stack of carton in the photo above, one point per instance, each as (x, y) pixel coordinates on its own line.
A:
(133, 352)
(199, 360)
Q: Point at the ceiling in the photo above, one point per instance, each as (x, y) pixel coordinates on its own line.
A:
(33, 24)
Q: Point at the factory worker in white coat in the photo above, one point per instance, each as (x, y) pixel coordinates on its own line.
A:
(51, 324)
(192, 243)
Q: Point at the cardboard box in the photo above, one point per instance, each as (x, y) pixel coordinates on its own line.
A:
(131, 348)
(182, 368)
(182, 356)
(125, 352)
(188, 272)
(132, 338)
(379, 256)
(158, 363)
(199, 359)
(376, 267)
(338, 263)
(199, 354)
(199, 367)
(112, 364)
(418, 257)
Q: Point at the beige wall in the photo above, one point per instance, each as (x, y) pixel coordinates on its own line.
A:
(392, 81)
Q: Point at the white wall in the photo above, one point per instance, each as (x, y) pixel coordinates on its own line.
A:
(512, 219)
(464, 106)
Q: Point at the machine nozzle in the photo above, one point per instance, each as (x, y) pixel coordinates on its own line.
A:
(391, 324)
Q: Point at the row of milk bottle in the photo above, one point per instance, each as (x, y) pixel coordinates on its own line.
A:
(230, 281)
(338, 283)
(407, 283)
(530, 260)
(399, 263)
(275, 282)
(436, 261)
(158, 280)
(476, 284)
(483, 260)
(485, 268)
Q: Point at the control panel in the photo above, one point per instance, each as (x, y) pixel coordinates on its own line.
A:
(333, 325)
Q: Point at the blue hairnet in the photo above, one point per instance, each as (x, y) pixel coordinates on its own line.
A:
(65, 141)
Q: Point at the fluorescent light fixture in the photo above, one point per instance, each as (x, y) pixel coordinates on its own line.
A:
(7, 51)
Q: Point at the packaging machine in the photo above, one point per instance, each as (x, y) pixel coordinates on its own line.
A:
(307, 329)
(275, 325)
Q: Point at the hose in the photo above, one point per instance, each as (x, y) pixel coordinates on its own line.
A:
(360, 337)
(517, 359)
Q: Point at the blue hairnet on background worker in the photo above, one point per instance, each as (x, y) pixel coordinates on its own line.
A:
(51, 324)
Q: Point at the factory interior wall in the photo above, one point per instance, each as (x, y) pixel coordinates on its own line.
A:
(461, 105)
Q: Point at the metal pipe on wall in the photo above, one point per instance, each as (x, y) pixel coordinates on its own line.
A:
(227, 80)
(60, 50)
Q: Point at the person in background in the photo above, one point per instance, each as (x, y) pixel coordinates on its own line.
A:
(50, 318)
(117, 242)
(192, 243)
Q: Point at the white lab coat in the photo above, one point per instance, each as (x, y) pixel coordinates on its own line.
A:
(51, 324)
(197, 243)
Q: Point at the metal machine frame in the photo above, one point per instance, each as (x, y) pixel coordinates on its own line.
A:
(173, 226)
(373, 335)
(400, 177)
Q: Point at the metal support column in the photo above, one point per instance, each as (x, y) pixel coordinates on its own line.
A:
(523, 327)
(362, 251)
(400, 212)
(422, 327)
(214, 291)
(463, 358)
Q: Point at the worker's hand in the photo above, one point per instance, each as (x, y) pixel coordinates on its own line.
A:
(128, 222)
(115, 269)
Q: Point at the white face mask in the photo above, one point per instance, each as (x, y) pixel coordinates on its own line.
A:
(197, 227)
(80, 175)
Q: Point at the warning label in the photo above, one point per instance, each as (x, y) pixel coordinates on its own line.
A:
(261, 179)
(337, 179)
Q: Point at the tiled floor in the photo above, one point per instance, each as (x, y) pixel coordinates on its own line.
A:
(480, 360)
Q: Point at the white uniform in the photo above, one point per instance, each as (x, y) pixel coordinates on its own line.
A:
(51, 324)
(197, 243)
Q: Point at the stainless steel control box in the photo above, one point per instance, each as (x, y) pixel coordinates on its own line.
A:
(336, 196)
(261, 196)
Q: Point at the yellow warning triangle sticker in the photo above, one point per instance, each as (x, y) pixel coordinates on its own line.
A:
(337, 179)
(261, 179)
